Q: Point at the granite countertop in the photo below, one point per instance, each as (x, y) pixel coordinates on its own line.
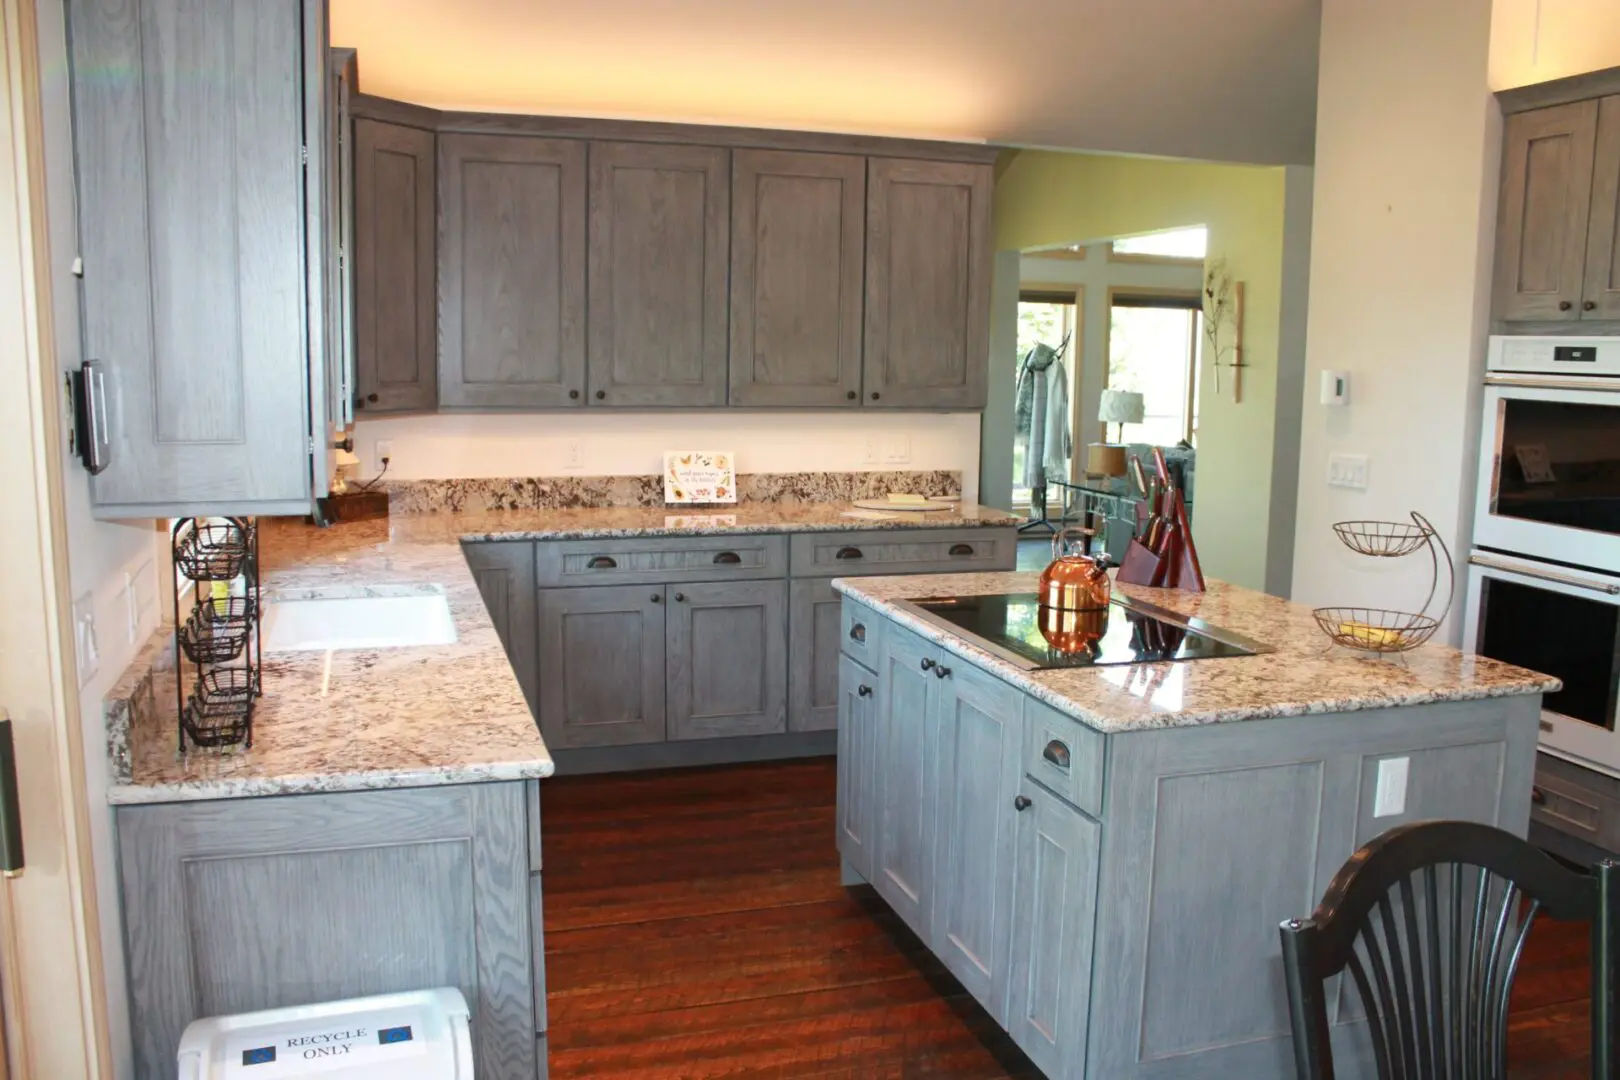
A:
(1307, 674)
(403, 717)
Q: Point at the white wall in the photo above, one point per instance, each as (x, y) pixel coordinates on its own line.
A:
(1408, 143)
(1536, 40)
(113, 567)
(632, 444)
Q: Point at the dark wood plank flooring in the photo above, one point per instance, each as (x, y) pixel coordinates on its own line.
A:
(695, 928)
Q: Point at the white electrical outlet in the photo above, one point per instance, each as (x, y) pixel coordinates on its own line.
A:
(573, 455)
(1390, 798)
(384, 452)
(1347, 471)
(86, 652)
(874, 452)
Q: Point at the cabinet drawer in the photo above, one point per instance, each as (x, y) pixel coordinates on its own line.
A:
(1065, 755)
(659, 560)
(1577, 802)
(860, 633)
(903, 551)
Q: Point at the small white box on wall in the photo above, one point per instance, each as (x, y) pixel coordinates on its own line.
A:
(1335, 388)
(699, 477)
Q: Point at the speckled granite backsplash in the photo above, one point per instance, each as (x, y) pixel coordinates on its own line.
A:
(566, 492)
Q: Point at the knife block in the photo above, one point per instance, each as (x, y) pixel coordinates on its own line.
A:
(1175, 567)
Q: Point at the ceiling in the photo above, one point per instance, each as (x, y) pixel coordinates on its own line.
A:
(1225, 80)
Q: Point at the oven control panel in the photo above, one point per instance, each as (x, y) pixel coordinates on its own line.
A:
(1555, 355)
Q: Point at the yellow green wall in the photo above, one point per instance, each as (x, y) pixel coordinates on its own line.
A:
(1045, 198)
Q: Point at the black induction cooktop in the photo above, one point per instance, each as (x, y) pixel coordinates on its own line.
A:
(1014, 626)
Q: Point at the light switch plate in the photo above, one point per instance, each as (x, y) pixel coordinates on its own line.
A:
(1347, 471)
(86, 650)
(1390, 798)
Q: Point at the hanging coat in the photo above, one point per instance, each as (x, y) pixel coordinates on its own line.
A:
(1041, 416)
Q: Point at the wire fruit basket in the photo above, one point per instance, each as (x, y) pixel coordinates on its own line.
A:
(1387, 630)
(220, 636)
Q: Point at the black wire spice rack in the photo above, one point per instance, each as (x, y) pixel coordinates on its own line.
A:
(221, 635)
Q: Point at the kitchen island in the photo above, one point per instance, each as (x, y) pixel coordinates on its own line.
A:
(383, 832)
(1102, 854)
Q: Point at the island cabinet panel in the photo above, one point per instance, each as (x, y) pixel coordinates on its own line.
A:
(857, 765)
(928, 260)
(602, 665)
(813, 655)
(396, 268)
(903, 871)
(902, 551)
(659, 227)
(1054, 915)
(798, 226)
(977, 721)
(504, 571)
(202, 236)
(1546, 200)
(244, 904)
(727, 658)
(512, 271)
(1601, 299)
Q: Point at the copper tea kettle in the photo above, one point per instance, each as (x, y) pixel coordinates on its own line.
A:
(1074, 580)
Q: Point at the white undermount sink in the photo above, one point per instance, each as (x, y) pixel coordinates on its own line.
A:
(371, 621)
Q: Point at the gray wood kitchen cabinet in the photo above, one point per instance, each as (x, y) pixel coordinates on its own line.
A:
(1601, 296)
(235, 905)
(798, 225)
(396, 268)
(1055, 906)
(976, 719)
(658, 240)
(813, 651)
(602, 665)
(1544, 212)
(511, 272)
(928, 258)
(903, 862)
(204, 245)
(504, 571)
(726, 653)
(340, 344)
(857, 765)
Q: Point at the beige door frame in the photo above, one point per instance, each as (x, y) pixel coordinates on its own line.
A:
(51, 981)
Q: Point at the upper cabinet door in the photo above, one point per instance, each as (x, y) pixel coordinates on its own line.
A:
(1602, 294)
(396, 319)
(928, 264)
(659, 222)
(194, 215)
(1546, 196)
(512, 271)
(797, 228)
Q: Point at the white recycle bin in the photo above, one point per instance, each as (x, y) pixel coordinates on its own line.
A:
(421, 1035)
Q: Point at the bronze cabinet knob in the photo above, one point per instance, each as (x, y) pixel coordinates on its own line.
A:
(1564, 305)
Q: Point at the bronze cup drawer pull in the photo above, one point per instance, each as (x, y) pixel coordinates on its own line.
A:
(961, 549)
(727, 558)
(849, 553)
(857, 632)
(602, 562)
(1056, 753)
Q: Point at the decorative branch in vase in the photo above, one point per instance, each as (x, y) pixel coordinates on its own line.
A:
(1223, 311)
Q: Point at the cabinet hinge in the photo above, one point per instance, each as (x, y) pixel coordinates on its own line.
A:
(312, 446)
(303, 156)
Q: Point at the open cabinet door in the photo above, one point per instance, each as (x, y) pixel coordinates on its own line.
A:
(51, 988)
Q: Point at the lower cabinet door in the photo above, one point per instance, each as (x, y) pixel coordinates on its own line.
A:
(727, 659)
(904, 864)
(813, 652)
(980, 759)
(1054, 909)
(504, 571)
(857, 777)
(602, 665)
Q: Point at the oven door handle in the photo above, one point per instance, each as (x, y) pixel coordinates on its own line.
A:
(1545, 575)
(1600, 383)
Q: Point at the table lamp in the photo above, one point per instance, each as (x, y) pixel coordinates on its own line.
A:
(1116, 407)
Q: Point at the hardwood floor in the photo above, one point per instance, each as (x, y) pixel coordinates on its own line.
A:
(695, 928)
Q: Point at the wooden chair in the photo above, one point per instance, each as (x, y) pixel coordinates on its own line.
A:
(1430, 919)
